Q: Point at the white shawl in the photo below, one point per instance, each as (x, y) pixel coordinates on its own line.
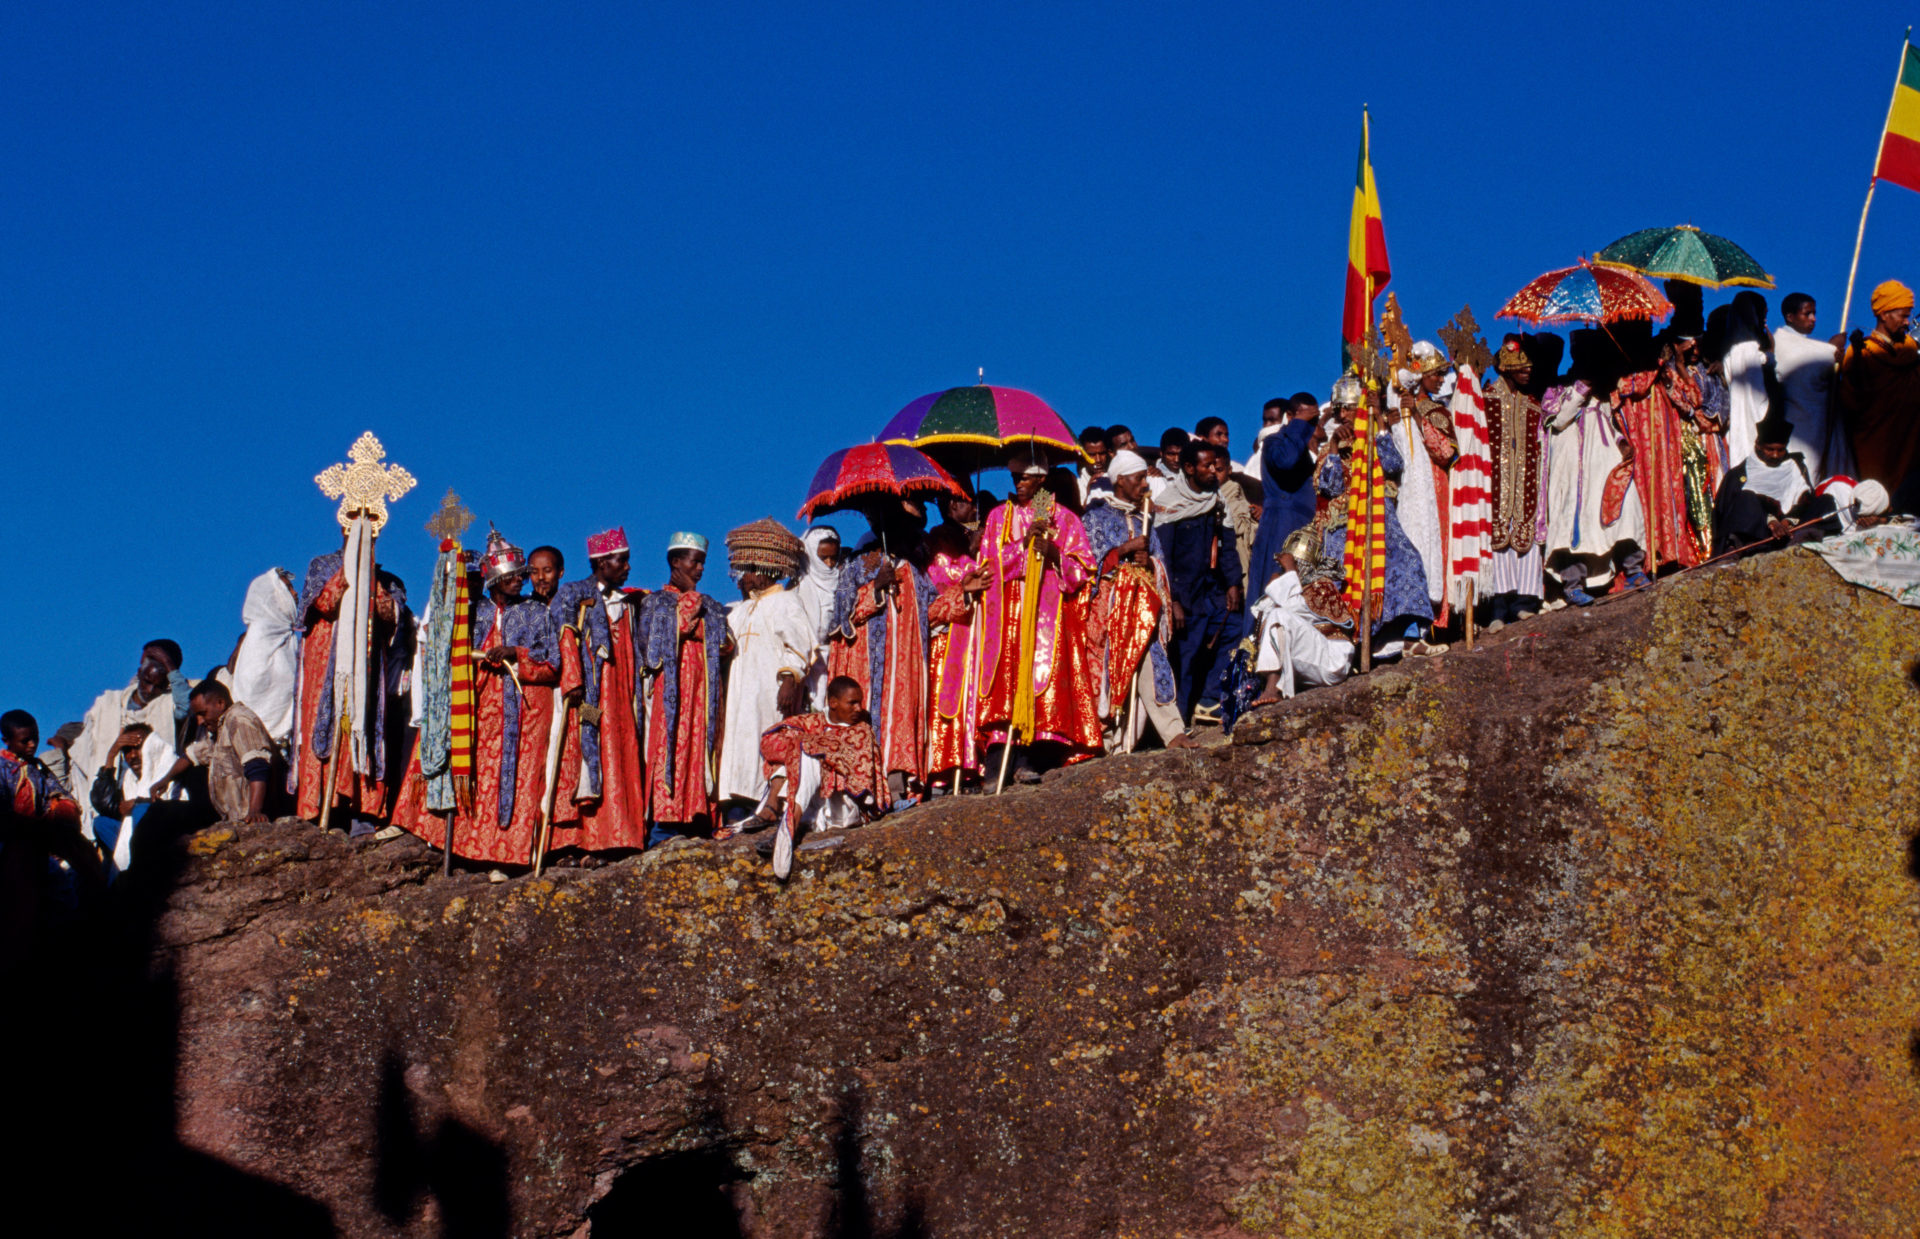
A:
(1180, 501)
(1805, 366)
(1746, 398)
(269, 659)
(818, 582)
(1419, 504)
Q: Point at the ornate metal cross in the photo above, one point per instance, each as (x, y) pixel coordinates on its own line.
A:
(365, 486)
(451, 520)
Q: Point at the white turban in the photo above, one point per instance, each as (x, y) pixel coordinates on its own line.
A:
(1872, 498)
(1125, 462)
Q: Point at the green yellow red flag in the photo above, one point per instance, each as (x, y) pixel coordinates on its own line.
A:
(1365, 558)
(1367, 270)
(1900, 144)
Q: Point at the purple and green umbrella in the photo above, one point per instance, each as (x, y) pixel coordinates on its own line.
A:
(867, 470)
(974, 423)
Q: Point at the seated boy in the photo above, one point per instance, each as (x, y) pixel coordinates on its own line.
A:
(823, 771)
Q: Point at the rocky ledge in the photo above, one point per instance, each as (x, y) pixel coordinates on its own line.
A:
(1604, 929)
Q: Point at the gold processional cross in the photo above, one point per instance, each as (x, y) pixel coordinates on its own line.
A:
(365, 486)
(451, 520)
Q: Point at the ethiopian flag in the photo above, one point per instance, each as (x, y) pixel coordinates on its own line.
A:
(1900, 144)
(1367, 272)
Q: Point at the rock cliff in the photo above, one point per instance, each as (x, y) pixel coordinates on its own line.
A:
(1605, 929)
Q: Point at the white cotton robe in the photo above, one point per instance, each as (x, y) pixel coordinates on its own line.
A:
(268, 664)
(1745, 369)
(1419, 504)
(1292, 643)
(1805, 367)
(1582, 449)
(771, 633)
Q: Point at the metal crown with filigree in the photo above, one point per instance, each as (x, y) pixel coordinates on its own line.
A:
(365, 486)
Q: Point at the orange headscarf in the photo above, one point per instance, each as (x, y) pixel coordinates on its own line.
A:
(1892, 295)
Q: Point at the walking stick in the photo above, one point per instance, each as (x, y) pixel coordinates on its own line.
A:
(1472, 593)
(556, 741)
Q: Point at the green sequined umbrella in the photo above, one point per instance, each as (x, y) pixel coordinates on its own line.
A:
(1685, 254)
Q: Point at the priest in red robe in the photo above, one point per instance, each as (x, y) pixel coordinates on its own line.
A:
(362, 795)
(599, 801)
(516, 666)
(1042, 688)
(879, 634)
(683, 644)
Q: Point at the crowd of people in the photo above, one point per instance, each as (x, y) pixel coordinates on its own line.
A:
(1120, 595)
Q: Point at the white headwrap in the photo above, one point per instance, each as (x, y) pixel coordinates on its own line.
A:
(818, 583)
(1125, 462)
(1872, 498)
(268, 665)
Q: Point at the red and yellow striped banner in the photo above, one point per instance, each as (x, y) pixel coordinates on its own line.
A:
(1365, 560)
(1900, 144)
(460, 751)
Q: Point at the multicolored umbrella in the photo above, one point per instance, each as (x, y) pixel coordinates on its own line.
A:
(987, 417)
(1587, 294)
(875, 469)
(1687, 254)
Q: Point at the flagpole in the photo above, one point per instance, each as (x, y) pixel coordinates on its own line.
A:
(1873, 182)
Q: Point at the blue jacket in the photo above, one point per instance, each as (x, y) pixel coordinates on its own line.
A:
(1287, 504)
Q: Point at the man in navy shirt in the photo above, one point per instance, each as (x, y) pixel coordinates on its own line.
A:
(1203, 574)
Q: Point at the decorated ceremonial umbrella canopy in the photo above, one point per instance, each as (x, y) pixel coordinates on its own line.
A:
(1587, 294)
(969, 426)
(871, 470)
(1687, 254)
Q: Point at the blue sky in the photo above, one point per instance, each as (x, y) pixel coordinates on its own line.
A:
(598, 264)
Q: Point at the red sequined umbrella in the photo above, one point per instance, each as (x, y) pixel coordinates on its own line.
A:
(875, 469)
(1587, 294)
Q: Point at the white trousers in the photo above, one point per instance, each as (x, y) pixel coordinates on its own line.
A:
(1291, 644)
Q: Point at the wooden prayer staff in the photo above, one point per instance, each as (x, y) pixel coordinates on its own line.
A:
(1734, 553)
(556, 740)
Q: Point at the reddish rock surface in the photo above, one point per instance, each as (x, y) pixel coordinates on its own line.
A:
(1604, 929)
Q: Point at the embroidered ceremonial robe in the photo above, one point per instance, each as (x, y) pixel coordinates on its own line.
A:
(952, 739)
(772, 636)
(1052, 645)
(880, 639)
(1130, 603)
(363, 795)
(600, 789)
(510, 732)
(1659, 469)
(680, 636)
(1404, 593)
(846, 758)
